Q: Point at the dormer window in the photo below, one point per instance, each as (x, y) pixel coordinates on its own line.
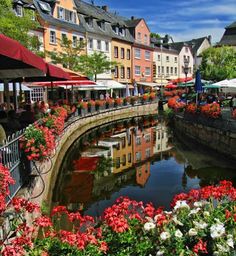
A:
(89, 21)
(101, 25)
(115, 29)
(45, 7)
(67, 15)
(122, 31)
(19, 10)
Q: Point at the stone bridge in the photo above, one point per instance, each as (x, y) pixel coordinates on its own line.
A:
(41, 188)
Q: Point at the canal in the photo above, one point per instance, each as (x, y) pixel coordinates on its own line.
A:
(140, 158)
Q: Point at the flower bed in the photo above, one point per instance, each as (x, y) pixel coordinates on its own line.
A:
(176, 104)
(202, 222)
(211, 110)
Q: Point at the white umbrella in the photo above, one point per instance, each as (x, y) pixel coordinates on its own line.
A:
(127, 92)
(135, 89)
(223, 83)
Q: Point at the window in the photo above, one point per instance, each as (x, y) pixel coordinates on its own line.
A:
(122, 32)
(138, 156)
(138, 140)
(147, 152)
(99, 45)
(89, 21)
(122, 72)
(128, 73)
(116, 72)
(60, 13)
(122, 53)
(106, 46)
(186, 49)
(159, 57)
(63, 37)
(139, 37)
(90, 43)
(167, 58)
(101, 25)
(81, 40)
(176, 71)
(124, 160)
(19, 10)
(118, 162)
(175, 59)
(147, 55)
(147, 138)
(171, 70)
(74, 41)
(116, 52)
(137, 70)
(162, 70)
(37, 94)
(188, 58)
(53, 37)
(167, 70)
(115, 29)
(159, 70)
(147, 71)
(129, 157)
(128, 54)
(145, 39)
(137, 53)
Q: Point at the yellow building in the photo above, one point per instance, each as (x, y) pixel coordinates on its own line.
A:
(121, 53)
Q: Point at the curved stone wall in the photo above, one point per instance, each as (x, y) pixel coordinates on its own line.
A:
(72, 132)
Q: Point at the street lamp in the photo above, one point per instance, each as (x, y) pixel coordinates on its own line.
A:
(186, 68)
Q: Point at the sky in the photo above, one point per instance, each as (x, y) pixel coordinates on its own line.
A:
(182, 19)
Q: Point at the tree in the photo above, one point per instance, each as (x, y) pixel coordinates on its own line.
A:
(218, 63)
(155, 35)
(94, 64)
(18, 27)
(69, 54)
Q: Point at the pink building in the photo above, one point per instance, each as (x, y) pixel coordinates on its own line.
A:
(142, 52)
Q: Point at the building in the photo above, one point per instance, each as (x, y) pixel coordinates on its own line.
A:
(229, 37)
(165, 65)
(142, 52)
(185, 55)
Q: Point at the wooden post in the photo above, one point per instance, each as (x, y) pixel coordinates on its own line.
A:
(7, 95)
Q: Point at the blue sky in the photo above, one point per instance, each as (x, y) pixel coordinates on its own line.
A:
(182, 19)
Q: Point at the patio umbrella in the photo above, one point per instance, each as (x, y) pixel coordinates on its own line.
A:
(127, 92)
(198, 84)
(135, 89)
(171, 86)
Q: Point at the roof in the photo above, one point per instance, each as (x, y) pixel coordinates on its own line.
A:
(57, 22)
(232, 25)
(98, 14)
(132, 23)
(177, 46)
(196, 43)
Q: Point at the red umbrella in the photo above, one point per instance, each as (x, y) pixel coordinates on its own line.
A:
(17, 61)
(171, 86)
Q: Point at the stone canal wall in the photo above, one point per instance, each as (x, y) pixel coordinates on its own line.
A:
(219, 139)
(44, 184)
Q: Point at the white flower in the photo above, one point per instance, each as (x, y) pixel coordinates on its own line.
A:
(156, 217)
(217, 230)
(206, 214)
(178, 233)
(200, 225)
(177, 222)
(230, 241)
(192, 232)
(149, 226)
(194, 211)
(222, 248)
(164, 235)
(198, 204)
(168, 212)
(149, 219)
(159, 253)
(181, 204)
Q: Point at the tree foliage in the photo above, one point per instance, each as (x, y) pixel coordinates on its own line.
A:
(94, 64)
(18, 27)
(155, 35)
(69, 54)
(218, 63)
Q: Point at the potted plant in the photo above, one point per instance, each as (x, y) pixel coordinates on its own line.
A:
(98, 104)
(144, 98)
(133, 99)
(118, 102)
(90, 104)
(81, 106)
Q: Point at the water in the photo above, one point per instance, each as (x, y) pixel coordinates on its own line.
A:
(149, 164)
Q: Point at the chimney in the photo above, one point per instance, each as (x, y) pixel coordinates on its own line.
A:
(105, 8)
(132, 17)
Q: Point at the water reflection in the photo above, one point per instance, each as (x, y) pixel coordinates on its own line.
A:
(139, 158)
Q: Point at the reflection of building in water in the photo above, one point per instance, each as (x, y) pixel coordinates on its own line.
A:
(161, 139)
(86, 164)
(142, 144)
(142, 173)
(97, 151)
(78, 190)
(122, 154)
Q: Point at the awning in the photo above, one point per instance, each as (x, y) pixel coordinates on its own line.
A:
(17, 61)
(64, 83)
(111, 84)
(23, 87)
(153, 85)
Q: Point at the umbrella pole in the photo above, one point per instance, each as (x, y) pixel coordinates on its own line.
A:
(20, 94)
(52, 91)
(6, 90)
(66, 94)
(14, 96)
